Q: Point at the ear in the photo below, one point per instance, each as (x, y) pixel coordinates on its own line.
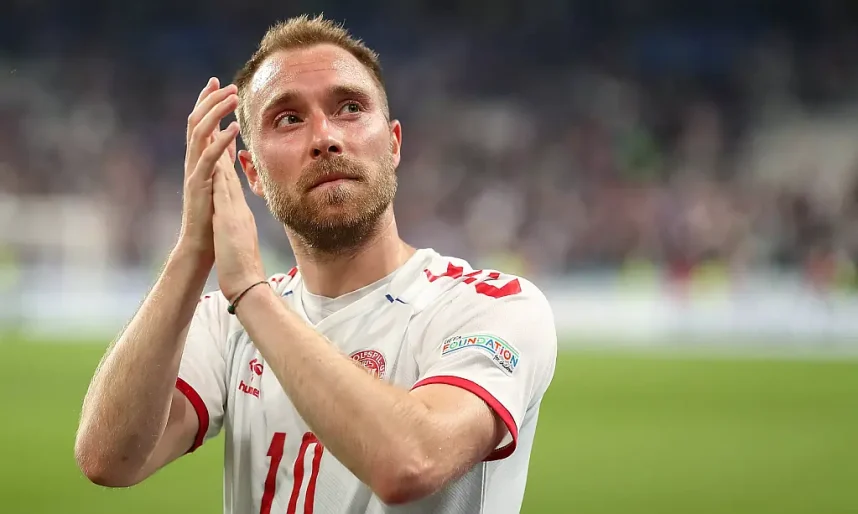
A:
(396, 141)
(250, 171)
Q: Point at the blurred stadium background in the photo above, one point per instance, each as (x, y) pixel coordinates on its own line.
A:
(680, 178)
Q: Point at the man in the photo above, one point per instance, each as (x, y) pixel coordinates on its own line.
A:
(373, 377)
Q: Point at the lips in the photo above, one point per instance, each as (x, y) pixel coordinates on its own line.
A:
(331, 177)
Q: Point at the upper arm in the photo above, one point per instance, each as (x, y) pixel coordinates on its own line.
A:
(197, 404)
(201, 386)
(500, 354)
(454, 410)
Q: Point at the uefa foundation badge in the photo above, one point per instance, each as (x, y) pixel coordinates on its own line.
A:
(502, 353)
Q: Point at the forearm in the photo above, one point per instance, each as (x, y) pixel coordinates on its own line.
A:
(128, 402)
(368, 424)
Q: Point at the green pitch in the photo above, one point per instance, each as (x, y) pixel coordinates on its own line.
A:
(618, 434)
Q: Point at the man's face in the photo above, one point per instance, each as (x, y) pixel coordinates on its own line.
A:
(323, 152)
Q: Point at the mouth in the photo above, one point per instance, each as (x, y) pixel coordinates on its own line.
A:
(332, 179)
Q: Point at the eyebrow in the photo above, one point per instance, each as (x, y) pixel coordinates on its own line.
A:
(337, 91)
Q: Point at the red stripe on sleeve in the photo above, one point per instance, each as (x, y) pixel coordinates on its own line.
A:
(491, 401)
(200, 408)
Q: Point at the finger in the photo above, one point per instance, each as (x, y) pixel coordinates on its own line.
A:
(217, 128)
(211, 86)
(202, 133)
(210, 101)
(233, 182)
(233, 148)
(208, 158)
(220, 192)
(207, 104)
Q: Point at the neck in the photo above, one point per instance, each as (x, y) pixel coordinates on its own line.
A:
(333, 275)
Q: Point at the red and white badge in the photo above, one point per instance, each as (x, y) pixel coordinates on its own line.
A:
(372, 361)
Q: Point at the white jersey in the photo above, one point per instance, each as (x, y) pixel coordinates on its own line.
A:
(433, 321)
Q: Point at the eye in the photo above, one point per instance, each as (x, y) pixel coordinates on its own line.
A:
(350, 108)
(287, 119)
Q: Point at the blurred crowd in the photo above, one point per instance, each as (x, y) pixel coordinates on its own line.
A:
(538, 137)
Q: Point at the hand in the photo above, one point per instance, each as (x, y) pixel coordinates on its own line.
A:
(208, 149)
(236, 242)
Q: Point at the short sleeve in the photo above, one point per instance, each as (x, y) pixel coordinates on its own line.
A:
(202, 372)
(503, 350)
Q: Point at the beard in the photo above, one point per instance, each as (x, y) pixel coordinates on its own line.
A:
(337, 219)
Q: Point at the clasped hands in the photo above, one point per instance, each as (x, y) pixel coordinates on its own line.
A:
(217, 223)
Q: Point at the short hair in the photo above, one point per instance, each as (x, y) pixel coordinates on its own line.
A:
(302, 32)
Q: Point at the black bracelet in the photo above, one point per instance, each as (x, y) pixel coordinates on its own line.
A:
(234, 304)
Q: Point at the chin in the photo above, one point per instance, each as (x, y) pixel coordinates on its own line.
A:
(338, 214)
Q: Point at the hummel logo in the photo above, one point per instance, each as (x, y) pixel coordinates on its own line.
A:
(256, 367)
(248, 389)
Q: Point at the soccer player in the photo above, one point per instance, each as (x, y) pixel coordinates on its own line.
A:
(374, 377)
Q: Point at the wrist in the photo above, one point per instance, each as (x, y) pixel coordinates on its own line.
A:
(190, 261)
(253, 292)
(193, 250)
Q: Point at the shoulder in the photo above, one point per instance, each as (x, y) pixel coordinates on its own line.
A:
(461, 284)
(466, 295)
(486, 312)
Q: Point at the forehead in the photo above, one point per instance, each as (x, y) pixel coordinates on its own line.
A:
(306, 70)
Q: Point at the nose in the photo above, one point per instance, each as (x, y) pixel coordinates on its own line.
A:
(326, 143)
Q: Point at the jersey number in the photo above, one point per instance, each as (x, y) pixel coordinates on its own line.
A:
(275, 451)
(482, 286)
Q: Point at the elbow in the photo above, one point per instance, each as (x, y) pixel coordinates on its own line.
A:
(406, 481)
(100, 469)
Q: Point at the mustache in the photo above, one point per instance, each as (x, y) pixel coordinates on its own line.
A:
(323, 168)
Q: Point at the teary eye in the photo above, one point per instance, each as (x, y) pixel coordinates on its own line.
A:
(287, 119)
(350, 108)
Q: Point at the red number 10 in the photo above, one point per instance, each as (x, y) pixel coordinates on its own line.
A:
(275, 451)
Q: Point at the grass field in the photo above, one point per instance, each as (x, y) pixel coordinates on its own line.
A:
(618, 434)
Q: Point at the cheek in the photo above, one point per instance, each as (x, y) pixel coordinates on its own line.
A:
(371, 138)
(278, 159)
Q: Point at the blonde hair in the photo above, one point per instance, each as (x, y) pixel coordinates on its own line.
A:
(302, 32)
